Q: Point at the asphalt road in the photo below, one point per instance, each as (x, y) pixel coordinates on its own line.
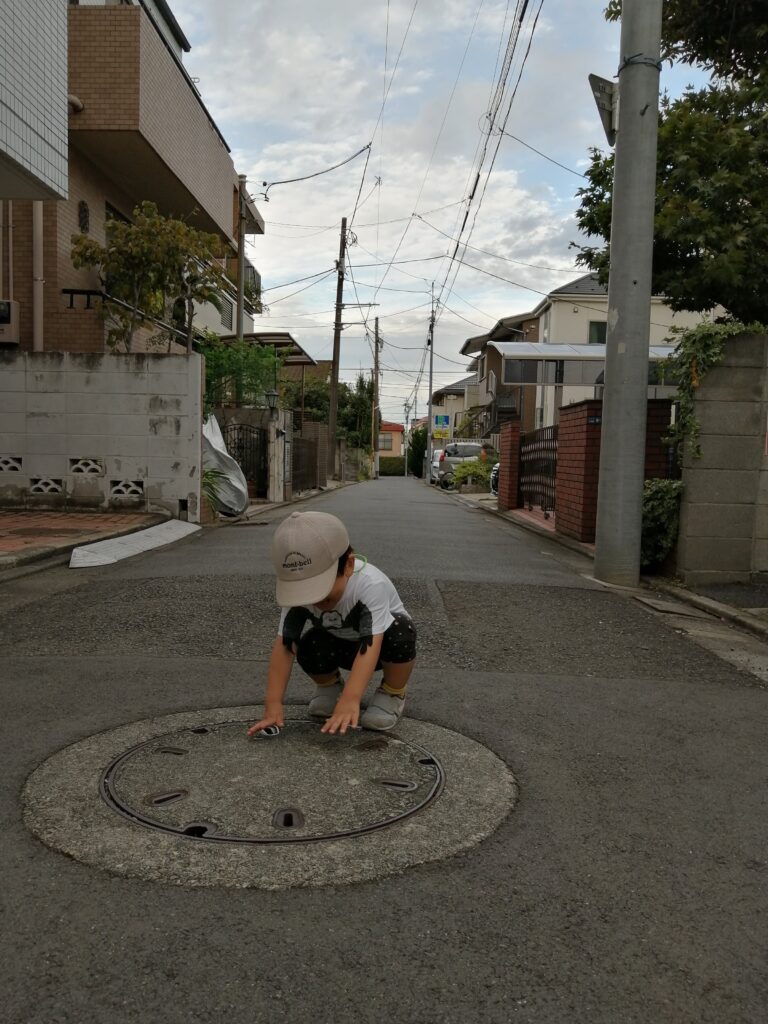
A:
(628, 886)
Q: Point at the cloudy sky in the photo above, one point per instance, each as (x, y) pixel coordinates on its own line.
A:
(299, 86)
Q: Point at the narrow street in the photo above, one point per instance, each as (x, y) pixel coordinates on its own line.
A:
(627, 885)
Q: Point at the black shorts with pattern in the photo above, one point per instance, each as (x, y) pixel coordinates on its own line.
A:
(320, 652)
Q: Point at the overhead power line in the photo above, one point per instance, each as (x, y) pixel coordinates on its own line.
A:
(306, 177)
(287, 284)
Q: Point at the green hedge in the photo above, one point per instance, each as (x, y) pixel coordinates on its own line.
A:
(661, 521)
(391, 465)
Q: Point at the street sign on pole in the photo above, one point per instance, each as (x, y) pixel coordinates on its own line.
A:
(606, 95)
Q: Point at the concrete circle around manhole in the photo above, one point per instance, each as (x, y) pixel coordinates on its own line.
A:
(188, 799)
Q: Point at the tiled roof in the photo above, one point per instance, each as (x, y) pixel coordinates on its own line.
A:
(586, 285)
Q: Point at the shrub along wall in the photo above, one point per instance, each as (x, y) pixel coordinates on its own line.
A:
(391, 465)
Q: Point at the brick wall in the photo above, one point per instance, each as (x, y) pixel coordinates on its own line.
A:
(509, 465)
(177, 126)
(578, 462)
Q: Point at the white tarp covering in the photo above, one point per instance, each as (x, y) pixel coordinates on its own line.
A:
(231, 486)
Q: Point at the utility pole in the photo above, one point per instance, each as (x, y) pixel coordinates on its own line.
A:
(406, 410)
(241, 180)
(622, 452)
(334, 397)
(431, 344)
(374, 425)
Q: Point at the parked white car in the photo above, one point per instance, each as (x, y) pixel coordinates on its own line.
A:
(433, 469)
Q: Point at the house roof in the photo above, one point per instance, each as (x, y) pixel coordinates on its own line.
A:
(586, 285)
(391, 428)
(457, 388)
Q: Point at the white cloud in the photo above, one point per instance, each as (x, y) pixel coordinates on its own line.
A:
(298, 86)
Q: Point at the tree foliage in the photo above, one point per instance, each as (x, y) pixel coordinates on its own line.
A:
(354, 407)
(711, 222)
(316, 397)
(154, 269)
(417, 447)
(236, 372)
(355, 413)
(728, 37)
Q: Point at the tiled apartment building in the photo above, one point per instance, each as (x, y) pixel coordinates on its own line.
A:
(138, 130)
(33, 99)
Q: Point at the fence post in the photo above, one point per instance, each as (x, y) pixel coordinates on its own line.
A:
(509, 464)
(578, 465)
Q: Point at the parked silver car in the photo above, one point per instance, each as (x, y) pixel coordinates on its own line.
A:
(461, 451)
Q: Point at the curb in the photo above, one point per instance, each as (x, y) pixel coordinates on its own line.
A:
(244, 520)
(739, 618)
(32, 558)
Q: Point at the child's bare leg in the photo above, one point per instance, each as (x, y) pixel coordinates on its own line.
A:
(327, 680)
(396, 676)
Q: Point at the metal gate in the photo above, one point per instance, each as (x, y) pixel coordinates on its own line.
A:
(249, 447)
(538, 464)
(304, 464)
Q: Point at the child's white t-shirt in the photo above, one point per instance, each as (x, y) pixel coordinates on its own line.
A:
(366, 609)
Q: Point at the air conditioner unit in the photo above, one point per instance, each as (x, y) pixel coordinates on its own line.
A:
(9, 322)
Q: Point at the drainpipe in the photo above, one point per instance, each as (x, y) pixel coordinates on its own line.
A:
(2, 229)
(38, 280)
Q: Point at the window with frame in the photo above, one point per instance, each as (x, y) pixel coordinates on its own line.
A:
(521, 371)
(385, 442)
(597, 332)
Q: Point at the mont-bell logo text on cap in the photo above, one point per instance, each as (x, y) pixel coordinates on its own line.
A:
(294, 561)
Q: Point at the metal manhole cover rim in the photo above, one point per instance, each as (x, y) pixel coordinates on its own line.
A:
(114, 802)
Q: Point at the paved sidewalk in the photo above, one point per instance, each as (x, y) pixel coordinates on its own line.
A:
(29, 536)
(743, 604)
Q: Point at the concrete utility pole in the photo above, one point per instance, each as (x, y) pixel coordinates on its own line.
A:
(241, 179)
(431, 344)
(406, 410)
(334, 397)
(622, 452)
(374, 424)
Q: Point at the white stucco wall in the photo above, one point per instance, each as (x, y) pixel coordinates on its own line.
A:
(101, 431)
(33, 99)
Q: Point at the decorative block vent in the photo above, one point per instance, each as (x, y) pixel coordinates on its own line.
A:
(46, 485)
(89, 467)
(126, 489)
(10, 463)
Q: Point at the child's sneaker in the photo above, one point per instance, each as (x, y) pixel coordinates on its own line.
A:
(383, 712)
(325, 700)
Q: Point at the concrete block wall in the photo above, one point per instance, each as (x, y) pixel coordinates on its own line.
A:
(724, 514)
(101, 431)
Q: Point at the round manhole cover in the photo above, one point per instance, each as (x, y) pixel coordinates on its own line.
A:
(210, 782)
(187, 799)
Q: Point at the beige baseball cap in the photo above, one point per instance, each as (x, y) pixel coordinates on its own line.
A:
(306, 549)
